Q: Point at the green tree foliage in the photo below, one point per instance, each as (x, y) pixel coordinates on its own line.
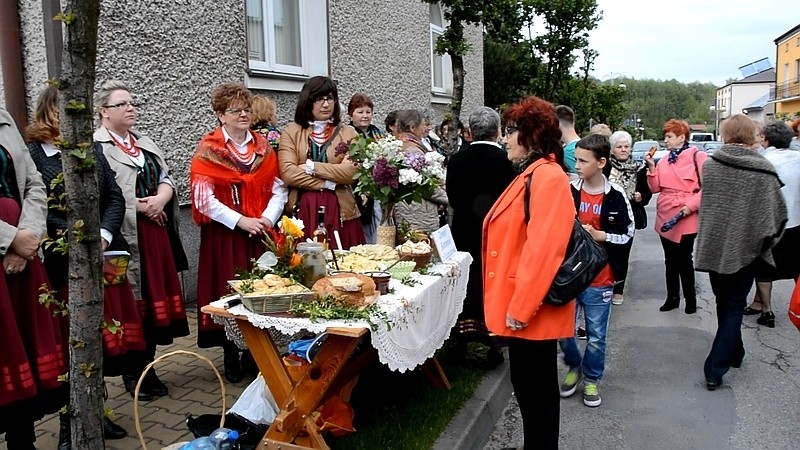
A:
(540, 61)
(458, 14)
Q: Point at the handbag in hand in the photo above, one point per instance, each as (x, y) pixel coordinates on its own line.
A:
(584, 260)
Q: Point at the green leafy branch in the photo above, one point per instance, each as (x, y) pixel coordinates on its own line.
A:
(115, 327)
(66, 17)
(78, 234)
(89, 369)
(86, 161)
(48, 299)
(329, 308)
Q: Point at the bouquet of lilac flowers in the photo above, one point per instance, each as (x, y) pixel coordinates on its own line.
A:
(389, 175)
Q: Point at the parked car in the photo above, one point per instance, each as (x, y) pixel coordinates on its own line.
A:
(701, 137)
(711, 146)
(640, 148)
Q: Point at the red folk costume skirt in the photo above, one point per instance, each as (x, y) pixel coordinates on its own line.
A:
(162, 307)
(350, 231)
(32, 357)
(222, 251)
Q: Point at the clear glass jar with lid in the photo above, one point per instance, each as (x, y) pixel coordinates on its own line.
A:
(314, 260)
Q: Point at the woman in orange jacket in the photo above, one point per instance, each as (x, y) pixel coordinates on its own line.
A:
(520, 261)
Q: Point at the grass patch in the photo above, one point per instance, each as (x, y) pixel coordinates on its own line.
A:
(403, 411)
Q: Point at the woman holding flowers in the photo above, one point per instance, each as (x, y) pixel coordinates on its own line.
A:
(237, 196)
(318, 174)
(421, 215)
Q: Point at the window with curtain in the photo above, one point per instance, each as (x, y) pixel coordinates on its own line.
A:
(441, 69)
(287, 36)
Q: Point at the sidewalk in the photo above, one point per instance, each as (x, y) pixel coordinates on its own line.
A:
(193, 389)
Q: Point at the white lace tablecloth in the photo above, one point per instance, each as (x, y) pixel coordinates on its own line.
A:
(420, 316)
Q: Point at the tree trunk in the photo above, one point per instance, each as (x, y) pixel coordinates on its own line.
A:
(450, 141)
(80, 17)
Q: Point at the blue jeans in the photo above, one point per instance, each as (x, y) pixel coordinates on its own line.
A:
(596, 304)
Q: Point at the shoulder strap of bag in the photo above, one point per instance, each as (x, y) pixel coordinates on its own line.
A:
(333, 136)
(526, 201)
(697, 171)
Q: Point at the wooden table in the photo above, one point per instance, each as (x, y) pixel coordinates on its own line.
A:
(298, 400)
(335, 366)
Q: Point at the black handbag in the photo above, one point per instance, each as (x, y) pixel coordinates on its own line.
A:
(584, 260)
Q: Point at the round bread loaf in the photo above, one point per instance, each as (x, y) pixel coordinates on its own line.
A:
(352, 289)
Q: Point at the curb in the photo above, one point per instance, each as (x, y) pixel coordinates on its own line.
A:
(472, 426)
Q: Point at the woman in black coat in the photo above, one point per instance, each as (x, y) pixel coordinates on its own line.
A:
(631, 176)
(119, 349)
(476, 176)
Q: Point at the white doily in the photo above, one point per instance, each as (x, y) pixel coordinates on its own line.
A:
(421, 316)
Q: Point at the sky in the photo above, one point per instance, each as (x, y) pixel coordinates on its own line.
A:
(688, 40)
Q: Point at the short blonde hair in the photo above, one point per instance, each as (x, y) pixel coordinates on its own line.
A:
(264, 110)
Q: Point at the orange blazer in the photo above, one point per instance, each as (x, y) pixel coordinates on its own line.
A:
(520, 260)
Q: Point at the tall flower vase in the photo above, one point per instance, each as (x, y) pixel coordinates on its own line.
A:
(387, 232)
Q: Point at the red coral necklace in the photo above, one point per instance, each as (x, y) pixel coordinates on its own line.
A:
(132, 150)
(245, 158)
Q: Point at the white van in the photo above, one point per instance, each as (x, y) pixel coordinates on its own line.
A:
(701, 137)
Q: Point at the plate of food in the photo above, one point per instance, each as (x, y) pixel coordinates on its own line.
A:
(375, 252)
(354, 262)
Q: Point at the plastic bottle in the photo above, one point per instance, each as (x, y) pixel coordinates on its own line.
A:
(201, 443)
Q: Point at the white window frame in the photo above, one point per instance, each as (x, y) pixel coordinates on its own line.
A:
(313, 47)
(447, 66)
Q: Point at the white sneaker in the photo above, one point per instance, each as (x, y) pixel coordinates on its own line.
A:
(617, 299)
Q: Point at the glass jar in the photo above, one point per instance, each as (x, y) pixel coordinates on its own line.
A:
(314, 261)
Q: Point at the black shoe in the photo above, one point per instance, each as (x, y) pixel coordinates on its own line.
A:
(64, 433)
(669, 305)
(130, 385)
(690, 309)
(113, 431)
(233, 366)
(712, 385)
(767, 318)
(154, 385)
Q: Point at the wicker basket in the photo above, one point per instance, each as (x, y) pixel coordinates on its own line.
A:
(137, 421)
(422, 259)
(272, 303)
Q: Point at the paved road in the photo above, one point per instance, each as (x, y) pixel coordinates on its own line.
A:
(654, 393)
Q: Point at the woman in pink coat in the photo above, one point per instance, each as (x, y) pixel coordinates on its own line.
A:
(676, 179)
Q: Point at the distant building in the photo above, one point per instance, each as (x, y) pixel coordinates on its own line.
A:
(747, 96)
(786, 95)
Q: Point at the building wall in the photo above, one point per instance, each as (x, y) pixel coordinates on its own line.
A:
(744, 94)
(787, 52)
(171, 67)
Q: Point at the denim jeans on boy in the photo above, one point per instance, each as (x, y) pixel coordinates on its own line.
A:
(596, 304)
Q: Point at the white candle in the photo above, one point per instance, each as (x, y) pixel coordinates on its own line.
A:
(338, 239)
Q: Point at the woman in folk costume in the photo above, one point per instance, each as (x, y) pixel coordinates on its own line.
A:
(119, 303)
(32, 356)
(236, 196)
(316, 174)
(149, 227)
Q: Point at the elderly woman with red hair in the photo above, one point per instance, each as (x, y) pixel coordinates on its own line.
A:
(513, 293)
(237, 195)
(677, 179)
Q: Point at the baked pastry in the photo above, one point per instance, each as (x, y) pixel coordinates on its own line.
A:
(351, 289)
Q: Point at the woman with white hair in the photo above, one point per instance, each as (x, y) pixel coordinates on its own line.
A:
(632, 177)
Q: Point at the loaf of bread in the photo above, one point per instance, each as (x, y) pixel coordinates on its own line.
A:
(351, 289)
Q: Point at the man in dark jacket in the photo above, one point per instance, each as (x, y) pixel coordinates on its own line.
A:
(476, 176)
